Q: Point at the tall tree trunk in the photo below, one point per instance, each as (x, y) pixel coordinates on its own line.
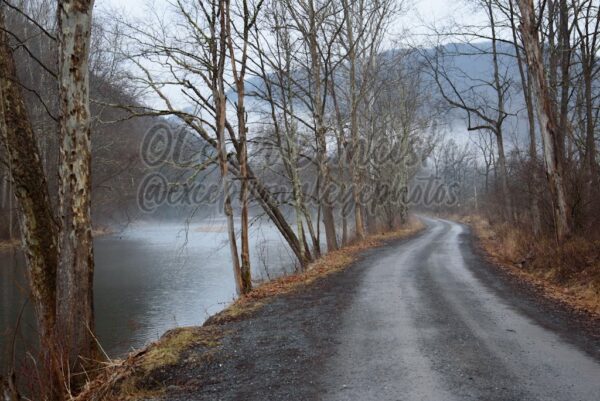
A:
(526, 87)
(340, 142)
(547, 118)
(75, 300)
(245, 223)
(565, 84)
(343, 186)
(270, 206)
(320, 132)
(533, 161)
(289, 152)
(589, 37)
(38, 226)
(404, 144)
(591, 170)
(508, 210)
(219, 55)
(353, 99)
(239, 74)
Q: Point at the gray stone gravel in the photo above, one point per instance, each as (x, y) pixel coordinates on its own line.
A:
(420, 319)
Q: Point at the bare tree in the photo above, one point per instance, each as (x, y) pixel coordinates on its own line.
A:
(366, 22)
(312, 19)
(38, 226)
(239, 67)
(75, 300)
(483, 112)
(549, 125)
(587, 26)
(278, 71)
(529, 106)
(59, 250)
(184, 59)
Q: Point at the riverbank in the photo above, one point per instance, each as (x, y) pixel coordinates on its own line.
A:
(568, 274)
(148, 373)
(6, 245)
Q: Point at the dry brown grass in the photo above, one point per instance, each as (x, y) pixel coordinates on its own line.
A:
(126, 380)
(569, 273)
(171, 346)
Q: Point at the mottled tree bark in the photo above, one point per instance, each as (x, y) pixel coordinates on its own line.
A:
(38, 227)
(75, 309)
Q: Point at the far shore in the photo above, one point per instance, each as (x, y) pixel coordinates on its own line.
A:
(7, 245)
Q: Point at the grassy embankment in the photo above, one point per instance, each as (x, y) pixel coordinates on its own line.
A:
(132, 378)
(569, 273)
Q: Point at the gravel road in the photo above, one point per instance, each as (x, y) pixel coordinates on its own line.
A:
(422, 319)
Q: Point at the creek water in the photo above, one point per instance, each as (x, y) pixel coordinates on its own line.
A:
(149, 278)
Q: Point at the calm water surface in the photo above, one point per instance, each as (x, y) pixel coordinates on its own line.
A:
(150, 278)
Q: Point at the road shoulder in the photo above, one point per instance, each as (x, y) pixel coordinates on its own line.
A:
(271, 342)
(531, 296)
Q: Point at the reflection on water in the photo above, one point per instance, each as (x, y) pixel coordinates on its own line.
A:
(150, 278)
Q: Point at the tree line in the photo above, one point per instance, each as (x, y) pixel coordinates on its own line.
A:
(323, 92)
(312, 115)
(541, 97)
(328, 101)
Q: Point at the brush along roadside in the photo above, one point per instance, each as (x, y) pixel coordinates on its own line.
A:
(568, 273)
(137, 377)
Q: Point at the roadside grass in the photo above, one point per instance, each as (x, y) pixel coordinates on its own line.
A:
(568, 273)
(137, 377)
(132, 378)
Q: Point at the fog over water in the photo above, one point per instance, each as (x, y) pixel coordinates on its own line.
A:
(150, 278)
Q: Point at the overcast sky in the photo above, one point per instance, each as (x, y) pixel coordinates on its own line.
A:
(411, 22)
(428, 10)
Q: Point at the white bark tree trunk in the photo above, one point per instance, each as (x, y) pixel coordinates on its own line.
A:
(75, 309)
(548, 120)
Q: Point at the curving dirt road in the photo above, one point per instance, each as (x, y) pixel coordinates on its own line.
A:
(424, 327)
(424, 319)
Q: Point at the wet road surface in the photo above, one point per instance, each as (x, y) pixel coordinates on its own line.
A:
(419, 319)
(423, 327)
